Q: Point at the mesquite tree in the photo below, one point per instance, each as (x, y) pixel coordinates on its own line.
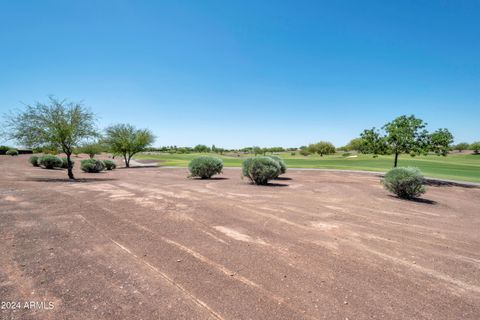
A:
(57, 123)
(322, 147)
(126, 140)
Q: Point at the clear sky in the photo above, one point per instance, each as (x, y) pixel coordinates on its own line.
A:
(242, 73)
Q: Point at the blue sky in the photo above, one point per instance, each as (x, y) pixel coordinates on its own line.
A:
(242, 73)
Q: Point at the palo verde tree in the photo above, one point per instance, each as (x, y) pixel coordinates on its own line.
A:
(58, 123)
(91, 149)
(126, 140)
(406, 134)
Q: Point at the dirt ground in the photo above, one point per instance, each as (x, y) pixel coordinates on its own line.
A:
(148, 243)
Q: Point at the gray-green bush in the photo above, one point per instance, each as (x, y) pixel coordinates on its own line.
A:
(281, 163)
(405, 182)
(205, 167)
(34, 161)
(65, 163)
(260, 169)
(92, 165)
(50, 161)
(109, 164)
(12, 152)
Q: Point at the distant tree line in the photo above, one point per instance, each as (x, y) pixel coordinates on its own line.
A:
(69, 127)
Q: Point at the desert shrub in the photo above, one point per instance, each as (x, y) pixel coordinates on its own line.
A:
(260, 169)
(109, 164)
(65, 163)
(406, 182)
(205, 167)
(50, 161)
(92, 165)
(281, 163)
(12, 152)
(34, 161)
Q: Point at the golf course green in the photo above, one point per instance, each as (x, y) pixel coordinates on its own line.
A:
(462, 167)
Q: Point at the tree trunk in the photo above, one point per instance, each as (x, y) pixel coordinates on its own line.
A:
(69, 167)
(396, 160)
(127, 161)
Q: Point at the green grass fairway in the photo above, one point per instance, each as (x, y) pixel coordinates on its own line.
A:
(464, 167)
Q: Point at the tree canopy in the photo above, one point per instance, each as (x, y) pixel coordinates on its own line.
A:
(58, 123)
(201, 148)
(356, 144)
(126, 140)
(406, 134)
(91, 149)
(461, 146)
(475, 146)
(322, 148)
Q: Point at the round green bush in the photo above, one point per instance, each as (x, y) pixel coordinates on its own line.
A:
(50, 161)
(65, 163)
(281, 163)
(205, 167)
(260, 169)
(12, 152)
(406, 183)
(109, 164)
(92, 165)
(34, 161)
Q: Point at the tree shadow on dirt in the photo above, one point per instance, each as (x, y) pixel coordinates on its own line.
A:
(439, 183)
(139, 167)
(274, 185)
(417, 200)
(213, 178)
(80, 180)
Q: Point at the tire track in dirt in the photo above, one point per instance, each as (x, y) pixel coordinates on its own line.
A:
(186, 292)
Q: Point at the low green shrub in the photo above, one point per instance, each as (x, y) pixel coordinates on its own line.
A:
(50, 161)
(406, 183)
(4, 149)
(346, 154)
(293, 153)
(260, 169)
(281, 163)
(34, 161)
(65, 163)
(92, 165)
(12, 152)
(205, 167)
(109, 164)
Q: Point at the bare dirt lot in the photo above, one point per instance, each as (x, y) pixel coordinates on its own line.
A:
(149, 243)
